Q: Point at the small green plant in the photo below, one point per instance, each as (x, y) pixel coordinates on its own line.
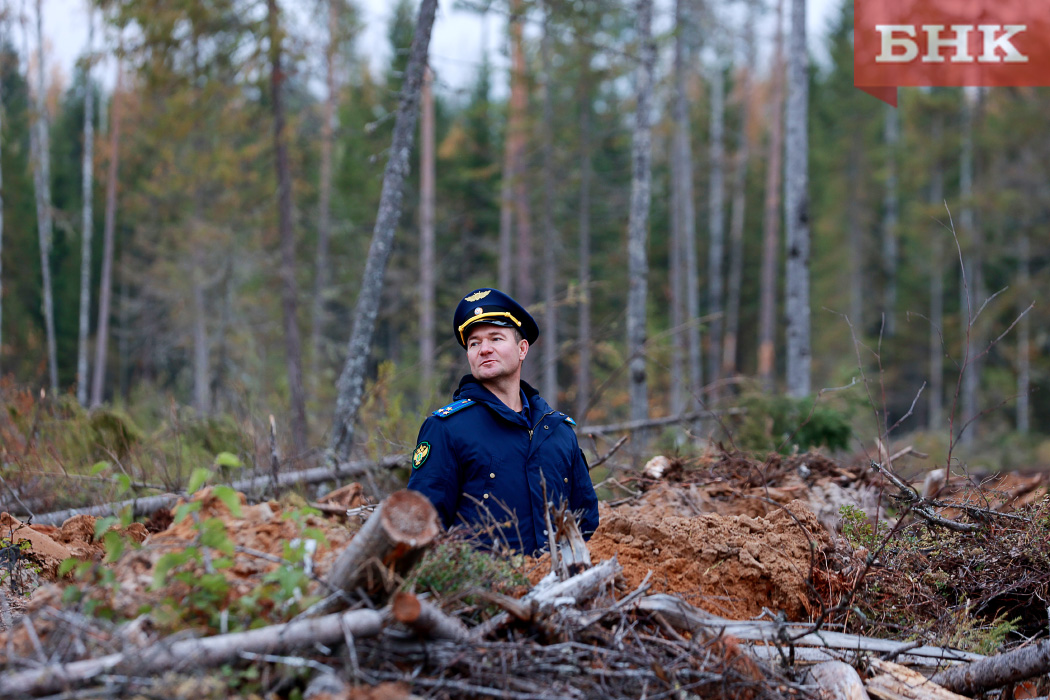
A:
(857, 527)
(454, 568)
(785, 424)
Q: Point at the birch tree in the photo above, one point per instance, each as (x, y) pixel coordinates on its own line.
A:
(771, 212)
(796, 202)
(716, 224)
(550, 234)
(87, 182)
(352, 379)
(427, 260)
(638, 218)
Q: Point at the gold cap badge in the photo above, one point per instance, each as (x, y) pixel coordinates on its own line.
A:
(477, 296)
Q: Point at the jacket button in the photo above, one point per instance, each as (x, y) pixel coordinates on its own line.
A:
(486, 495)
(566, 480)
(544, 532)
(492, 475)
(546, 427)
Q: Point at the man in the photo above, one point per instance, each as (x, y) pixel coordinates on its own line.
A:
(485, 459)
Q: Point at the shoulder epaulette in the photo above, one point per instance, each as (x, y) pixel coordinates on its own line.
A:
(570, 421)
(454, 407)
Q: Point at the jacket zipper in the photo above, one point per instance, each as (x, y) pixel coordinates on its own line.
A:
(548, 413)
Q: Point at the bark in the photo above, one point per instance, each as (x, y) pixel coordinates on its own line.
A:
(997, 671)
(936, 392)
(41, 153)
(796, 202)
(838, 680)
(352, 379)
(970, 282)
(427, 258)
(550, 235)
(191, 655)
(736, 225)
(201, 351)
(254, 485)
(889, 222)
(638, 221)
(98, 379)
(583, 367)
(506, 215)
(289, 287)
(716, 228)
(771, 215)
(855, 236)
(1024, 330)
(87, 171)
(901, 683)
(427, 619)
(388, 545)
(677, 259)
(516, 133)
(324, 198)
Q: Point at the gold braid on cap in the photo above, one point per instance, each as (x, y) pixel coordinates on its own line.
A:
(490, 314)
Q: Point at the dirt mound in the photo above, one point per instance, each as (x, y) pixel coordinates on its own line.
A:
(731, 565)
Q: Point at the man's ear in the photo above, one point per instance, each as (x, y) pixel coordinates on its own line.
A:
(523, 349)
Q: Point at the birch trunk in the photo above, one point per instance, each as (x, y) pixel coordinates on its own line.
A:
(583, 368)
(98, 379)
(550, 234)
(427, 260)
(796, 201)
(352, 379)
(736, 225)
(767, 311)
(87, 188)
(889, 221)
(676, 258)
(42, 186)
(324, 198)
(1024, 330)
(289, 287)
(716, 229)
(638, 221)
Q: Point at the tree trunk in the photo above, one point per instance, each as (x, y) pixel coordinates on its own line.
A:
(767, 311)
(716, 229)
(855, 237)
(936, 391)
(1024, 330)
(352, 379)
(524, 289)
(583, 368)
(736, 225)
(98, 379)
(427, 261)
(550, 235)
(427, 619)
(676, 257)
(969, 282)
(201, 351)
(42, 185)
(889, 222)
(796, 201)
(638, 219)
(289, 288)
(997, 671)
(87, 171)
(317, 322)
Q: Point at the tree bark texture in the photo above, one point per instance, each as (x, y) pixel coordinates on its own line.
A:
(796, 201)
(767, 309)
(42, 186)
(388, 544)
(352, 379)
(997, 671)
(838, 680)
(970, 282)
(716, 228)
(936, 272)
(87, 181)
(889, 221)
(517, 125)
(427, 619)
(551, 247)
(638, 219)
(105, 285)
(427, 257)
(583, 367)
(677, 259)
(324, 198)
(201, 349)
(739, 211)
(289, 287)
(855, 236)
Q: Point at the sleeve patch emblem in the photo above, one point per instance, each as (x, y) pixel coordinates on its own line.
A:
(420, 455)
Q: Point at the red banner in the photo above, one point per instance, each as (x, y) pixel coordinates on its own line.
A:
(949, 42)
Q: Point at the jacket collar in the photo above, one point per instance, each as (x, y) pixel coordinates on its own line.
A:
(471, 388)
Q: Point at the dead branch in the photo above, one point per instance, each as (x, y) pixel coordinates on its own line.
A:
(895, 682)
(997, 671)
(612, 450)
(194, 653)
(838, 680)
(633, 425)
(427, 619)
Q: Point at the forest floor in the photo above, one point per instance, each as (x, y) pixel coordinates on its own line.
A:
(830, 544)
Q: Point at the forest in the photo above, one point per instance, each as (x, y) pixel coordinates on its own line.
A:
(191, 230)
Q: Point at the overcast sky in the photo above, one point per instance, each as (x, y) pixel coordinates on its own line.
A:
(455, 46)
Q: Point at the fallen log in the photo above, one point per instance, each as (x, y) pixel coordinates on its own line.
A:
(684, 616)
(997, 671)
(896, 682)
(194, 654)
(838, 680)
(427, 619)
(632, 425)
(388, 545)
(148, 504)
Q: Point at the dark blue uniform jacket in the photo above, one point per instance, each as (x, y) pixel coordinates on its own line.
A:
(483, 464)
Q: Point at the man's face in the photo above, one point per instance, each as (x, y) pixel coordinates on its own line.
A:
(494, 352)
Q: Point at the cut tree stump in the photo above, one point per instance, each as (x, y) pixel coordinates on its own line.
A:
(389, 544)
(427, 619)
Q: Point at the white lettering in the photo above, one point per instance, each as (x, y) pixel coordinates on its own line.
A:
(991, 43)
(891, 42)
(935, 42)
